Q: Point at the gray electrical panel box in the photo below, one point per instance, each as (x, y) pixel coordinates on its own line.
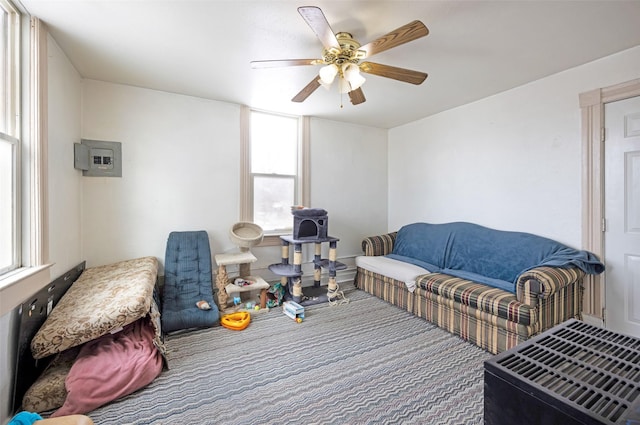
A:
(98, 158)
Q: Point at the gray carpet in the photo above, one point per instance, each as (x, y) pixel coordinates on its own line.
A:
(366, 362)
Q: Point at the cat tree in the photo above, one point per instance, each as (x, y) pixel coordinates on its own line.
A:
(244, 235)
(310, 225)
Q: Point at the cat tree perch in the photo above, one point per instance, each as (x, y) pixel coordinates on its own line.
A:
(244, 235)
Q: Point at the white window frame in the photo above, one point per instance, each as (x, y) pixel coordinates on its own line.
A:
(246, 178)
(12, 135)
(15, 200)
(31, 128)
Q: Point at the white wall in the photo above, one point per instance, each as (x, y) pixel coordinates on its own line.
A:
(65, 182)
(181, 169)
(349, 180)
(511, 161)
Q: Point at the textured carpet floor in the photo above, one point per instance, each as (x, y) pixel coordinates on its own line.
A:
(366, 362)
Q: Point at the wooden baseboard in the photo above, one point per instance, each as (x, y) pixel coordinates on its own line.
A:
(592, 320)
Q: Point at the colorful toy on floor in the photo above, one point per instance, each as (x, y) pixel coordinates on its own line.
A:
(275, 295)
(243, 282)
(203, 305)
(293, 310)
(236, 321)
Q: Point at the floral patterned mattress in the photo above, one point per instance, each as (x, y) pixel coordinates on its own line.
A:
(103, 300)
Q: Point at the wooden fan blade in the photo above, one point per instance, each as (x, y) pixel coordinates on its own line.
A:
(357, 96)
(319, 25)
(404, 34)
(284, 62)
(307, 90)
(400, 74)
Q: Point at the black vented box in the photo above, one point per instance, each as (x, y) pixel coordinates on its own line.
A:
(574, 373)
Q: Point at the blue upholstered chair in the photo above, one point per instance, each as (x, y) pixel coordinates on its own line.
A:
(187, 280)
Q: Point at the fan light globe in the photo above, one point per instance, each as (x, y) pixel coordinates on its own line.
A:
(328, 74)
(351, 73)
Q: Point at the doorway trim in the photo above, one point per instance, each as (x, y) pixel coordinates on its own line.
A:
(593, 135)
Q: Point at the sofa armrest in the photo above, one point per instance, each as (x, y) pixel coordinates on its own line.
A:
(542, 282)
(379, 245)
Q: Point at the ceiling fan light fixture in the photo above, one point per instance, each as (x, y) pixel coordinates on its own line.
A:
(328, 74)
(351, 73)
(342, 54)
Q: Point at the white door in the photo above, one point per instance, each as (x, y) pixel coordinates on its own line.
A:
(622, 214)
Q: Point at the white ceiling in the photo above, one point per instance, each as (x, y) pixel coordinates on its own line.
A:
(203, 48)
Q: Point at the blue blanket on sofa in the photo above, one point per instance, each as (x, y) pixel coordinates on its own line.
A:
(489, 256)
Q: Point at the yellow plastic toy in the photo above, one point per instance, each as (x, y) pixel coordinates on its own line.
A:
(236, 321)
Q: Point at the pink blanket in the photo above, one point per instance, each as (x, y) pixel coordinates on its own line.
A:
(111, 367)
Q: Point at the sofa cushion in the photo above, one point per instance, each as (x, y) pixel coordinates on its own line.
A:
(395, 269)
(102, 300)
(187, 280)
(111, 367)
(414, 261)
(49, 392)
(495, 301)
(496, 283)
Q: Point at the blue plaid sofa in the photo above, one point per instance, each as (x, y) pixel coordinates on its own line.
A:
(490, 287)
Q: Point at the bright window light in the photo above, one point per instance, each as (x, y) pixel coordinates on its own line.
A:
(274, 152)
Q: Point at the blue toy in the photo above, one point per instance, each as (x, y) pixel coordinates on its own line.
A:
(24, 418)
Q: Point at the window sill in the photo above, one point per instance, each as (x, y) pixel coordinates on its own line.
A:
(273, 238)
(17, 286)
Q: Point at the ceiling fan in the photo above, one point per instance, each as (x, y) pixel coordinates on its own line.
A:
(342, 57)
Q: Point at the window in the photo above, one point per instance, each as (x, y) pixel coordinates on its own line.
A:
(9, 138)
(274, 169)
(8, 191)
